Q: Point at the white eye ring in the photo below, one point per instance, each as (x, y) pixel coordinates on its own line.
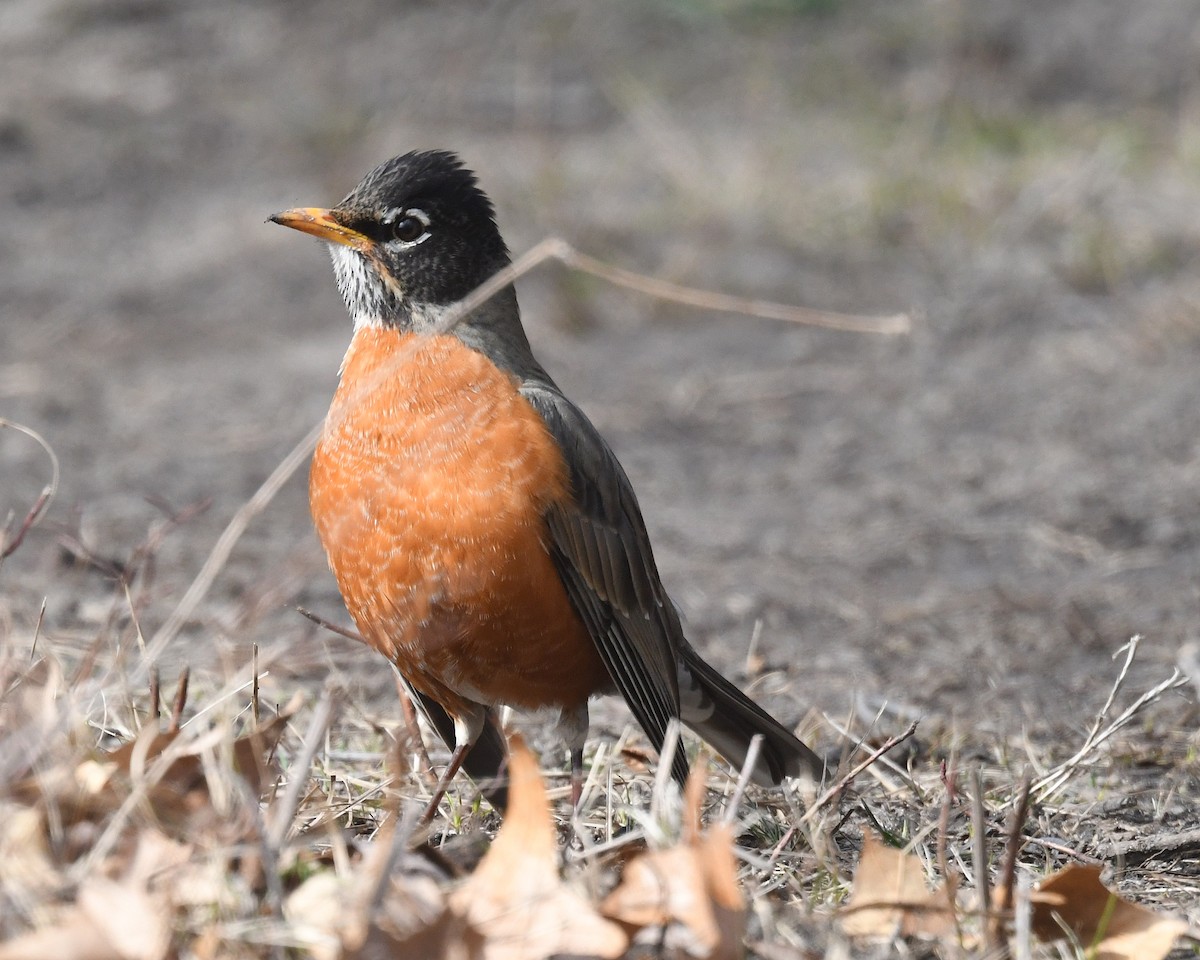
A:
(408, 226)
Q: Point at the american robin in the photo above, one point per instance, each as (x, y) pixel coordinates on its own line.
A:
(483, 534)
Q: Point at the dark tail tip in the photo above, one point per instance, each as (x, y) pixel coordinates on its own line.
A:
(728, 719)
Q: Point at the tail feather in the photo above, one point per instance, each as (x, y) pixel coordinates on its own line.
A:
(728, 719)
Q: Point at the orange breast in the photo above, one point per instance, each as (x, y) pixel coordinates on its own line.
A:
(428, 490)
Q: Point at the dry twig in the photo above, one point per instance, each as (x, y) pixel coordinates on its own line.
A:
(1056, 778)
(979, 856)
(1013, 844)
(10, 543)
(835, 791)
(331, 626)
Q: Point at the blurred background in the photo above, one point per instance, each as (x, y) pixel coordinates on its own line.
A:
(965, 522)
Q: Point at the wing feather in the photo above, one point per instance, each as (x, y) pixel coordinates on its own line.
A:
(603, 555)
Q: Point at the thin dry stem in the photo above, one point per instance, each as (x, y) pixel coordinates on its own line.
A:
(155, 695)
(835, 791)
(181, 694)
(893, 325)
(37, 629)
(979, 854)
(744, 775)
(285, 808)
(1053, 781)
(412, 729)
(331, 626)
(219, 555)
(1013, 844)
(886, 779)
(9, 545)
(254, 698)
(943, 830)
(556, 248)
(662, 775)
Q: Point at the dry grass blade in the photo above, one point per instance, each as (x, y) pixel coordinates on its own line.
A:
(949, 782)
(219, 555)
(979, 855)
(743, 780)
(833, 792)
(896, 324)
(9, 545)
(662, 774)
(556, 248)
(1004, 896)
(255, 705)
(283, 812)
(1053, 781)
(155, 694)
(37, 630)
(181, 694)
(330, 625)
(895, 774)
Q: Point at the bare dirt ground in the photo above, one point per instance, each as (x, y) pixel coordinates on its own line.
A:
(964, 523)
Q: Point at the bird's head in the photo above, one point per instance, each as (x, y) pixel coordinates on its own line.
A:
(416, 235)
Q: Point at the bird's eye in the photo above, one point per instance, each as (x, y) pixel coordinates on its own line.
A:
(409, 226)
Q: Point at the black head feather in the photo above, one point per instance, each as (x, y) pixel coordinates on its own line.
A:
(403, 277)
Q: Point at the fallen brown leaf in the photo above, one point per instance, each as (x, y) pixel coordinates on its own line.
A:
(1111, 927)
(74, 937)
(686, 897)
(445, 937)
(516, 900)
(890, 897)
(336, 919)
(25, 851)
(93, 789)
(717, 863)
(127, 916)
(378, 909)
(250, 752)
(318, 911)
(112, 920)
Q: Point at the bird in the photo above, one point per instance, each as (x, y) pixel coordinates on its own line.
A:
(482, 533)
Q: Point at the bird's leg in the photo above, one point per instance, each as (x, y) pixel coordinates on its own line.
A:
(456, 761)
(576, 777)
(574, 837)
(467, 728)
(573, 727)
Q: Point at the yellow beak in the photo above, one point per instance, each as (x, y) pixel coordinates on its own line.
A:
(323, 224)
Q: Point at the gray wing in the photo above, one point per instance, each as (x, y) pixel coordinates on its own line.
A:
(602, 552)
